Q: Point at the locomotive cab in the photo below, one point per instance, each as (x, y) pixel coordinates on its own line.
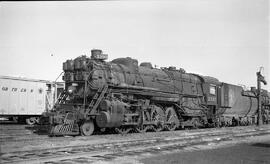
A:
(211, 89)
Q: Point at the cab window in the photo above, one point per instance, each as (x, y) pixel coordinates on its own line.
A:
(212, 89)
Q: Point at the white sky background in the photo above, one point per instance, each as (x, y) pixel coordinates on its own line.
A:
(226, 39)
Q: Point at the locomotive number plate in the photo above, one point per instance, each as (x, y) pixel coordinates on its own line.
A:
(211, 98)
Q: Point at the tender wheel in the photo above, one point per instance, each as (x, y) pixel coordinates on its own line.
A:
(158, 118)
(171, 119)
(31, 120)
(87, 128)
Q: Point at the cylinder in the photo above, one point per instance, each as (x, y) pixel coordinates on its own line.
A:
(104, 120)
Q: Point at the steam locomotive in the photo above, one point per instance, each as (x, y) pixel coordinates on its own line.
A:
(124, 96)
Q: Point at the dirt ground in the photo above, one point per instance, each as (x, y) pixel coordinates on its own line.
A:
(254, 150)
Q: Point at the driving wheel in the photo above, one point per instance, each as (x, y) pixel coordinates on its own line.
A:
(171, 119)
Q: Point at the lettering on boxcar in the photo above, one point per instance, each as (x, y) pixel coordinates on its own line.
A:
(4, 88)
(40, 90)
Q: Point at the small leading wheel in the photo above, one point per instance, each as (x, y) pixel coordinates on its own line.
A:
(87, 128)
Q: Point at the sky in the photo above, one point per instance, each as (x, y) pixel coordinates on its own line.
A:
(225, 39)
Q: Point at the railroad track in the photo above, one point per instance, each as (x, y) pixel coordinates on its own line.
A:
(114, 149)
(10, 133)
(29, 136)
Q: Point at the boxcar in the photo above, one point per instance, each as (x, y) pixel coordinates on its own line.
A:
(24, 100)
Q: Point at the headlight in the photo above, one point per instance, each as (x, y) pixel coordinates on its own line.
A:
(74, 84)
(71, 89)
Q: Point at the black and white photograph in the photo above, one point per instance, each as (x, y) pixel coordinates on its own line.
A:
(135, 82)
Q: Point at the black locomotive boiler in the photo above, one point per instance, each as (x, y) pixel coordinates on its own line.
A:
(124, 96)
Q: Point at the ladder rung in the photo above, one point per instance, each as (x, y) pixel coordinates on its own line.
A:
(97, 99)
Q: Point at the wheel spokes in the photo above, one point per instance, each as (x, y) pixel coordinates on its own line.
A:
(171, 119)
(87, 128)
(158, 119)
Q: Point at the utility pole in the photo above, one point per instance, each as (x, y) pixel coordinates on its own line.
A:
(260, 79)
